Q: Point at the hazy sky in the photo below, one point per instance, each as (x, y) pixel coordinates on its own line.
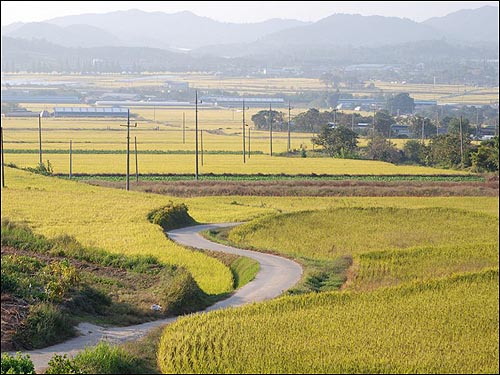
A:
(237, 11)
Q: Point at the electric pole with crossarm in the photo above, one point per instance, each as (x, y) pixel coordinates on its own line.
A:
(128, 148)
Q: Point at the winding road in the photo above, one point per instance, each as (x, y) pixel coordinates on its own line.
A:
(275, 276)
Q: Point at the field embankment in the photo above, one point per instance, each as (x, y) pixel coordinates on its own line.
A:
(48, 286)
(304, 187)
(113, 220)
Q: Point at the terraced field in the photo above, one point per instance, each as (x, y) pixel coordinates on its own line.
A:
(422, 287)
(440, 326)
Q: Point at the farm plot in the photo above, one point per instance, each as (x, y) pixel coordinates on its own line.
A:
(440, 326)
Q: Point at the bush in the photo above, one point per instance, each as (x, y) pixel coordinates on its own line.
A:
(179, 294)
(45, 325)
(17, 365)
(58, 278)
(171, 216)
(9, 283)
(60, 364)
(42, 169)
(107, 359)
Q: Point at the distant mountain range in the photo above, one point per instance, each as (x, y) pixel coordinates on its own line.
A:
(187, 31)
(135, 28)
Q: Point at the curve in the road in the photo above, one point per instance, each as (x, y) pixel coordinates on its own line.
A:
(275, 276)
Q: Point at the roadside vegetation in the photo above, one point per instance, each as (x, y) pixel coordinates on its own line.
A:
(51, 285)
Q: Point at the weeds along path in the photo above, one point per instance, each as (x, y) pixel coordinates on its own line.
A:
(275, 276)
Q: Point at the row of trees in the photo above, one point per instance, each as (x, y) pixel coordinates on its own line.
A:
(382, 122)
(452, 150)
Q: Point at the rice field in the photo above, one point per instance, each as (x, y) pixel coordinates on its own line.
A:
(327, 234)
(109, 219)
(422, 295)
(102, 139)
(392, 267)
(403, 329)
(440, 326)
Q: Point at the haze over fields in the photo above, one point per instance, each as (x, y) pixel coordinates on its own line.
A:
(136, 40)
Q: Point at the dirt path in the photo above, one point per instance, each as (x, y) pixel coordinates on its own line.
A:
(275, 275)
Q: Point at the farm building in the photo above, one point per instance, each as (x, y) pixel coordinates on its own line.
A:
(177, 86)
(399, 130)
(226, 101)
(9, 98)
(90, 112)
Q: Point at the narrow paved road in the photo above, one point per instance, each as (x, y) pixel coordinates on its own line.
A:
(275, 276)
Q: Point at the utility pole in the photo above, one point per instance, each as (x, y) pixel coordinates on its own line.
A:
(289, 116)
(461, 144)
(352, 121)
(249, 143)
(373, 124)
(128, 148)
(183, 127)
(3, 163)
(423, 126)
(136, 163)
(40, 136)
(437, 122)
(70, 158)
(270, 130)
(477, 124)
(243, 125)
(201, 144)
(196, 132)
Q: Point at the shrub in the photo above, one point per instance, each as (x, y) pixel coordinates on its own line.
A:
(59, 277)
(9, 283)
(179, 294)
(60, 364)
(107, 359)
(42, 169)
(17, 365)
(171, 216)
(45, 325)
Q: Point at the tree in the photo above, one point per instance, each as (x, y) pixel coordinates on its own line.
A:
(485, 159)
(415, 152)
(380, 148)
(309, 121)
(262, 119)
(383, 122)
(446, 151)
(402, 103)
(454, 127)
(416, 124)
(339, 142)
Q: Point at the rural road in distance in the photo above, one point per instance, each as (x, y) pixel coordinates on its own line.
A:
(275, 276)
